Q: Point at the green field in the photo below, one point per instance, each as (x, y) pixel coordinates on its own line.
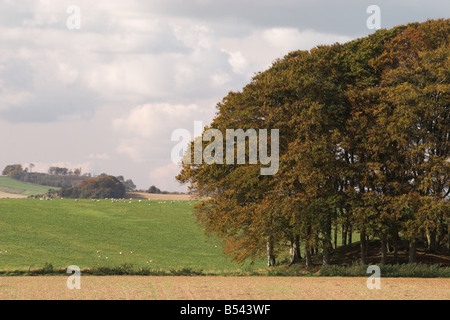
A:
(9, 185)
(160, 235)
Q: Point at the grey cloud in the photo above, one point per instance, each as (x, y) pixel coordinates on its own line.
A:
(16, 75)
(346, 17)
(56, 103)
(127, 53)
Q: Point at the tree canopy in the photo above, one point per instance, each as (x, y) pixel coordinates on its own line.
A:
(364, 146)
(96, 188)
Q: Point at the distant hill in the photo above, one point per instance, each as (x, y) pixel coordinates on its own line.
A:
(57, 177)
(11, 186)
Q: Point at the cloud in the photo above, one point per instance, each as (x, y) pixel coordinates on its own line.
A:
(146, 130)
(290, 39)
(164, 178)
(99, 156)
(109, 95)
(149, 120)
(133, 148)
(258, 50)
(238, 62)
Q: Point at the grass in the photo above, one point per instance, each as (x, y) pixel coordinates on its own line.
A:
(155, 238)
(9, 185)
(161, 236)
(416, 270)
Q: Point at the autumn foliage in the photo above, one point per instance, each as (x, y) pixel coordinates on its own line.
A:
(96, 188)
(364, 147)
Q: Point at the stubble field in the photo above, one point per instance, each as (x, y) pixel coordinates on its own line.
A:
(222, 288)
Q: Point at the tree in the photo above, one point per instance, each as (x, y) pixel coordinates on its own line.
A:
(95, 188)
(14, 171)
(364, 142)
(129, 185)
(154, 190)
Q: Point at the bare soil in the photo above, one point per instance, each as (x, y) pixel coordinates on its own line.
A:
(227, 288)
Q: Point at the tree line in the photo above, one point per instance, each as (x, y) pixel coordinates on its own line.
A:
(59, 177)
(364, 148)
(95, 188)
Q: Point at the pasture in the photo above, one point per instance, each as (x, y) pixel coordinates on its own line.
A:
(15, 187)
(155, 234)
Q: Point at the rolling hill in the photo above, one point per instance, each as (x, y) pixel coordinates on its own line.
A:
(9, 186)
(103, 233)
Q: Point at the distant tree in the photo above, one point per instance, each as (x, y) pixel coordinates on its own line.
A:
(14, 171)
(95, 188)
(58, 171)
(154, 190)
(129, 185)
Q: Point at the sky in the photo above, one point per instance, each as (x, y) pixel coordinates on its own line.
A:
(106, 97)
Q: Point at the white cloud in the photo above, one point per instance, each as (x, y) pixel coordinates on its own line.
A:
(238, 62)
(220, 79)
(290, 39)
(197, 37)
(132, 148)
(99, 156)
(150, 120)
(108, 96)
(164, 177)
(258, 50)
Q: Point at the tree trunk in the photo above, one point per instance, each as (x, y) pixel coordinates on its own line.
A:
(350, 233)
(295, 250)
(395, 252)
(326, 254)
(270, 255)
(363, 247)
(317, 243)
(431, 239)
(326, 241)
(448, 234)
(335, 236)
(367, 245)
(383, 249)
(344, 234)
(308, 255)
(412, 251)
(395, 240)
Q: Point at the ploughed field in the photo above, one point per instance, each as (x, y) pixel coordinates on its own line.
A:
(223, 288)
(154, 234)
